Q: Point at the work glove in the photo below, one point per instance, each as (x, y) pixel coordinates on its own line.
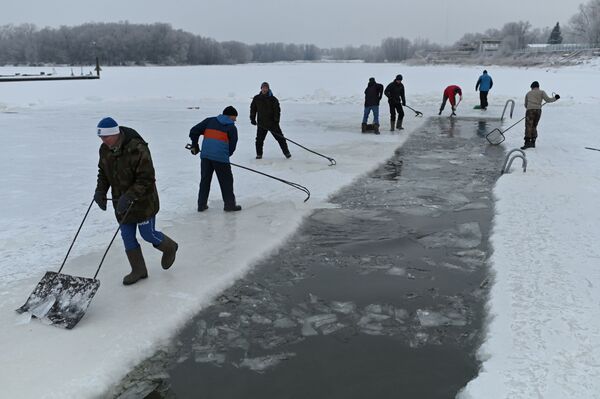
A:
(123, 204)
(252, 121)
(100, 199)
(556, 96)
(195, 149)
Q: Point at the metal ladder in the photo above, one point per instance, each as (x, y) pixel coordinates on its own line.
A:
(512, 108)
(510, 158)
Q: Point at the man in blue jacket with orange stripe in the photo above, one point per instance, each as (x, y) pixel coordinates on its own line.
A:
(220, 139)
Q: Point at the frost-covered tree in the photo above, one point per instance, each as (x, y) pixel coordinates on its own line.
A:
(396, 49)
(586, 23)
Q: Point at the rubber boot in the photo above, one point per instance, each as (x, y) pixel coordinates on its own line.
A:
(363, 128)
(169, 248)
(138, 266)
(399, 124)
(376, 128)
(392, 123)
(527, 144)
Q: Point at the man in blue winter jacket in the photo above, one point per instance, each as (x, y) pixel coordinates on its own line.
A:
(484, 84)
(220, 140)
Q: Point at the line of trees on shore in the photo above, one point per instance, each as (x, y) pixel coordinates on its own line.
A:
(124, 43)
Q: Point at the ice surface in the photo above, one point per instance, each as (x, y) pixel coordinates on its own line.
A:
(560, 224)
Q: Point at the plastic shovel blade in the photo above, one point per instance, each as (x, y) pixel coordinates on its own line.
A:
(61, 299)
(495, 137)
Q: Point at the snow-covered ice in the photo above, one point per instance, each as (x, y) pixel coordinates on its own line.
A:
(543, 338)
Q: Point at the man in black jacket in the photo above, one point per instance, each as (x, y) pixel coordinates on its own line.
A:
(269, 112)
(373, 94)
(395, 94)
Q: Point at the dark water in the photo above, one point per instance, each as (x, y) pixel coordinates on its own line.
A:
(382, 297)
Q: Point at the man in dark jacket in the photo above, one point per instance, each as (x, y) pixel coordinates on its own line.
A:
(269, 113)
(373, 94)
(484, 84)
(125, 166)
(220, 140)
(395, 94)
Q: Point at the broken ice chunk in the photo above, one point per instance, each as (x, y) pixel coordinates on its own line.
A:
(284, 322)
(343, 307)
(260, 364)
(321, 319)
(206, 354)
(308, 330)
(258, 319)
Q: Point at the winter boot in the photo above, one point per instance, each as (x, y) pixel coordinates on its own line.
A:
(392, 123)
(399, 125)
(363, 128)
(376, 128)
(232, 208)
(533, 142)
(527, 144)
(169, 248)
(138, 266)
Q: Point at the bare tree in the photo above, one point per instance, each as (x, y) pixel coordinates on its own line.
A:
(396, 49)
(586, 23)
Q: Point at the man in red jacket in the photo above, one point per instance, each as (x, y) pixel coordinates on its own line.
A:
(450, 94)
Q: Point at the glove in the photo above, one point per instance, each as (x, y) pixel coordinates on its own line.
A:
(123, 204)
(556, 96)
(195, 149)
(100, 199)
(252, 121)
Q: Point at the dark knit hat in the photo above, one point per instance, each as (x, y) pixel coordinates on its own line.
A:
(230, 111)
(372, 80)
(398, 77)
(535, 84)
(265, 84)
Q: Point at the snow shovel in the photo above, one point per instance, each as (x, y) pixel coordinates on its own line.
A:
(61, 299)
(417, 113)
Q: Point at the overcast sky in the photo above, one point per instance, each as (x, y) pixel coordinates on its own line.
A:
(326, 23)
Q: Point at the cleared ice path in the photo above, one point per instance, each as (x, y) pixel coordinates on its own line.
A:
(383, 295)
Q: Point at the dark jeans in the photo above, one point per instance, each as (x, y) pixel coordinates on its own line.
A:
(399, 109)
(483, 102)
(223, 171)
(261, 134)
(446, 98)
(532, 118)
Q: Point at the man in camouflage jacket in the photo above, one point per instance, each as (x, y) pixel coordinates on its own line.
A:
(125, 166)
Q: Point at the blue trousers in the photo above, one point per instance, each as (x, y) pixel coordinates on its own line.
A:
(375, 109)
(147, 231)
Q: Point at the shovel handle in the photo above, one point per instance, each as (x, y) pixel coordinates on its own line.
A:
(76, 234)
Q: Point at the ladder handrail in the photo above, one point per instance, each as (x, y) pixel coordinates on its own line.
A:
(508, 162)
(512, 108)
